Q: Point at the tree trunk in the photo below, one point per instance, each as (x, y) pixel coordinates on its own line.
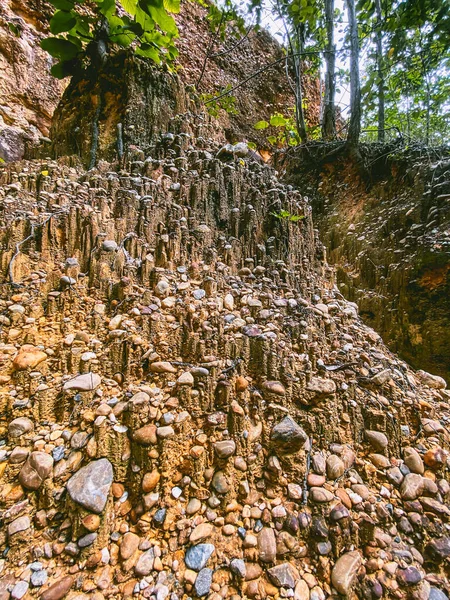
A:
(354, 128)
(299, 114)
(329, 112)
(379, 43)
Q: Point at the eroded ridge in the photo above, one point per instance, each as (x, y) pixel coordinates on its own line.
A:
(189, 407)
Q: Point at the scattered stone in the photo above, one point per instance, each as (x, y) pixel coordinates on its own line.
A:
(28, 357)
(288, 436)
(83, 383)
(203, 582)
(345, 571)
(36, 470)
(197, 556)
(19, 427)
(89, 487)
(267, 545)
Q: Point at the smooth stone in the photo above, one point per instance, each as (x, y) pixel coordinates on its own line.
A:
(335, 467)
(345, 571)
(321, 387)
(90, 486)
(145, 563)
(194, 505)
(220, 483)
(186, 378)
(413, 461)
(18, 525)
(201, 532)
(203, 582)
(267, 545)
(225, 448)
(19, 427)
(288, 436)
(59, 589)
(437, 594)
(284, 575)
(145, 435)
(412, 486)
(83, 383)
(129, 545)
(432, 381)
(19, 590)
(38, 578)
(320, 495)
(197, 556)
(162, 367)
(238, 568)
(295, 491)
(36, 470)
(377, 440)
(28, 357)
(274, 387)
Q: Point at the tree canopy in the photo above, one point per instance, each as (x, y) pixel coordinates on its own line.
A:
(394, 55)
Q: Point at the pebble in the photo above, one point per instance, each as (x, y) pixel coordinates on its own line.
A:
(83, 383)
(345, 571)
(90, 486)
(203, 582)
(197, 556)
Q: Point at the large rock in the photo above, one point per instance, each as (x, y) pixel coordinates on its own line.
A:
(288, 436)
(37, 468)
(197, 556)
(267, 545)
(345, 571)
(59, 589)
(284, 575)
(28, 357)
(320, 387)
(19, 427)
(89, 487)
(432, 381)
(83, 383)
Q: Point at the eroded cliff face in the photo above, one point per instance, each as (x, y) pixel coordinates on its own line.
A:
(390, 240)
(29, 94)
(188, 405)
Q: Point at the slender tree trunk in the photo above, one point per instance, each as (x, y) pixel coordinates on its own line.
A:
(299, 114)
(354, 129)
(379, 42)
(329, 112)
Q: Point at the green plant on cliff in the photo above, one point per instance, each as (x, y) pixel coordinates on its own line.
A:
(87, 31)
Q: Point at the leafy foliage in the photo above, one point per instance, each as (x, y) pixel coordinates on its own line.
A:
(286, 215)
(88, 30)
(225, 102)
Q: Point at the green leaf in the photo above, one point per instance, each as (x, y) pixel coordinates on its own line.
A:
(278, 121)
(118, 33)
(144, 21)
(59, 48)
(62, 4)
(160, 16)
(62, 21)
(107, 8)
(172, 6)
(14, 29)
(130, 6)
(149, 52)
(272, 139)
(261, 125)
